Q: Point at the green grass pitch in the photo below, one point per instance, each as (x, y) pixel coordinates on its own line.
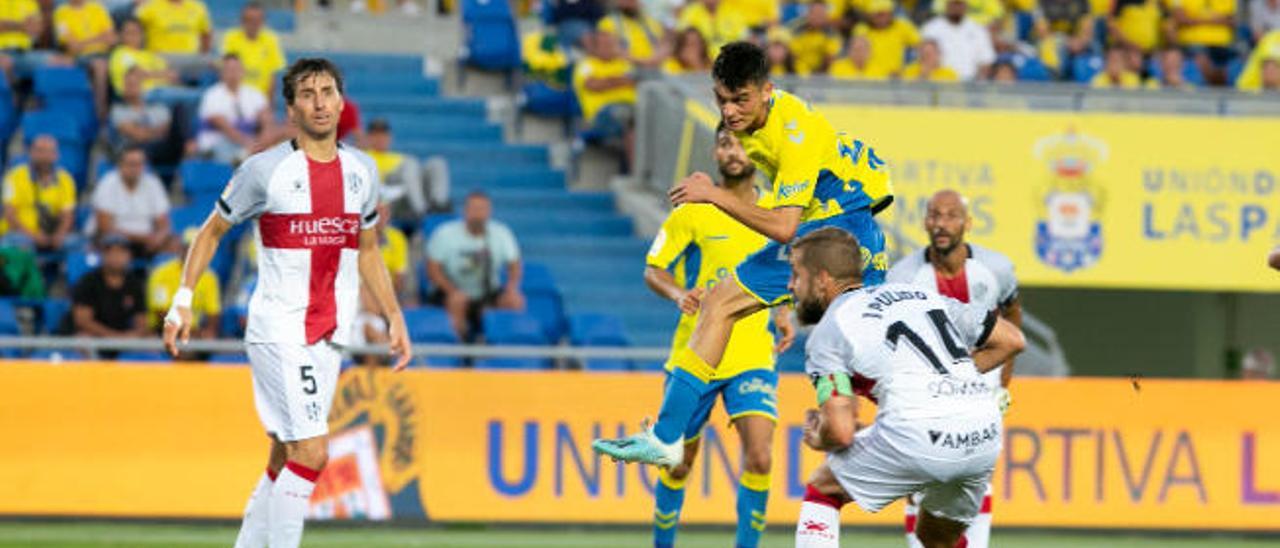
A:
(128, 534)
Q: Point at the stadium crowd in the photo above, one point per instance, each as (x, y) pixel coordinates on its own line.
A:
(132, 117)
(601, 49)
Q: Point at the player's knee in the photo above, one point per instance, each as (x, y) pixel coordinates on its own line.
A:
(680, 471)
(758, 460)
(312, 453)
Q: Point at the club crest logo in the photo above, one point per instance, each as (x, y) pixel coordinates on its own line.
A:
(1070, 200)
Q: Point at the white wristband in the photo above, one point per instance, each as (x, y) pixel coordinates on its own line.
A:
(182, 298)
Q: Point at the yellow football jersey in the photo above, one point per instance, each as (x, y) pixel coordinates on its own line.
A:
(813, 166)
(705, 244)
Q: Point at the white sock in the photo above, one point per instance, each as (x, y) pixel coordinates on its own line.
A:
(819, 526)
(979, 532)
(912, 512)
(255, 527)
(289, 502)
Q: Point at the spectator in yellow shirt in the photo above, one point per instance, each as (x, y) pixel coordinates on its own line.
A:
(757, 15)
(402, 176)
(20, 25)
(39, 198)
(1136, 24)
(176, 27)
(689, 54)
(206, 297)
(642, 38)
(153, 69)
(928, 66)
(85, 32)
(857, 64)
(815, 44)
(890, 37)
(1204, 29)
(778, 50)
(1268, 48)
(1116, 74)
(258, 49)
(717, 24)
(605, 83)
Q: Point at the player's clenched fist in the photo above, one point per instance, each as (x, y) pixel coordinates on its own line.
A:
(691, 300)
(696, 188)
(177, 323)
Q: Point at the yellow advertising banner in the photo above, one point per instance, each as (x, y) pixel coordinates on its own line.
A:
(119, 440)
(1092, 200)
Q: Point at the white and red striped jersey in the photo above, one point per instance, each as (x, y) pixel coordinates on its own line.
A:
(309, 217)
(987, 279)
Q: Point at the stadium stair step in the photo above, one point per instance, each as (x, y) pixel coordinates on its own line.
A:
(420, 105)
(437, 131)
(628, 248)
(467, 153)
(465, 178)
(546, 199)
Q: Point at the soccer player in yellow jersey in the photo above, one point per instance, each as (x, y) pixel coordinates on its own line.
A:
(707, 244)
(820, 178)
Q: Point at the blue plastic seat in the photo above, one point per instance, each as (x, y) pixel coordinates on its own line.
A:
(433, 221)
(229, 358)
(57, 80)
(143, 356)
(503, 327)
(52, 312)
(56, 354)
(1085, 67)
(231, 321)
(60, 125)
(78, 264)
(537, 278)
(430, 325)
(595, 329)
(201, 177)
(549, 310)
(491, 40)
(9, 318)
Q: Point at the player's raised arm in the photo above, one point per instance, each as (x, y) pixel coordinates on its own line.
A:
(1003, 343)
(373, 271)
(177, 323)
(777, 224)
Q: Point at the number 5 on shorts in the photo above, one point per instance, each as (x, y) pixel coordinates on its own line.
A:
(308, 380)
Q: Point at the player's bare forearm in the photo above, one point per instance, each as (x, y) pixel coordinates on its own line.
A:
(663, 283)
(374, 273)
(373, 270)
(203, 248)
(778, 224)
(1013, 313)
(836, 424)
(1004, 342)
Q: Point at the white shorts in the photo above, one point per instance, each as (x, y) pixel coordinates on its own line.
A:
(875, 474)
(293, 387)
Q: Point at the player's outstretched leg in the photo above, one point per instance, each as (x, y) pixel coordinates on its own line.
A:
(255, 527)
(292, 490)
(911, 509)
(692, 369)
(668, 498)
(819, 523)
(753, 484)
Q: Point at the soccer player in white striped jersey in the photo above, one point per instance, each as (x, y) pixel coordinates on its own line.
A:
(314, 202)
(971, 274)
(920, 356)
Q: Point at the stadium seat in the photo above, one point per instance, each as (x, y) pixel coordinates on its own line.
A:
(1085, 67)
(59, 125)
(229, 358)
(203, 178)
(549, 310)
(1031, 69)
(52, 312)
(56, 355)
(594, 329)
(78, 264)
(9, 318)
(540, 99)
(430, 325)
(491, 41)
(143, 356)
(1190, 71)
(231, 318)
(502, 327)
(60, 80)
(537, 278)
(433, 221)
